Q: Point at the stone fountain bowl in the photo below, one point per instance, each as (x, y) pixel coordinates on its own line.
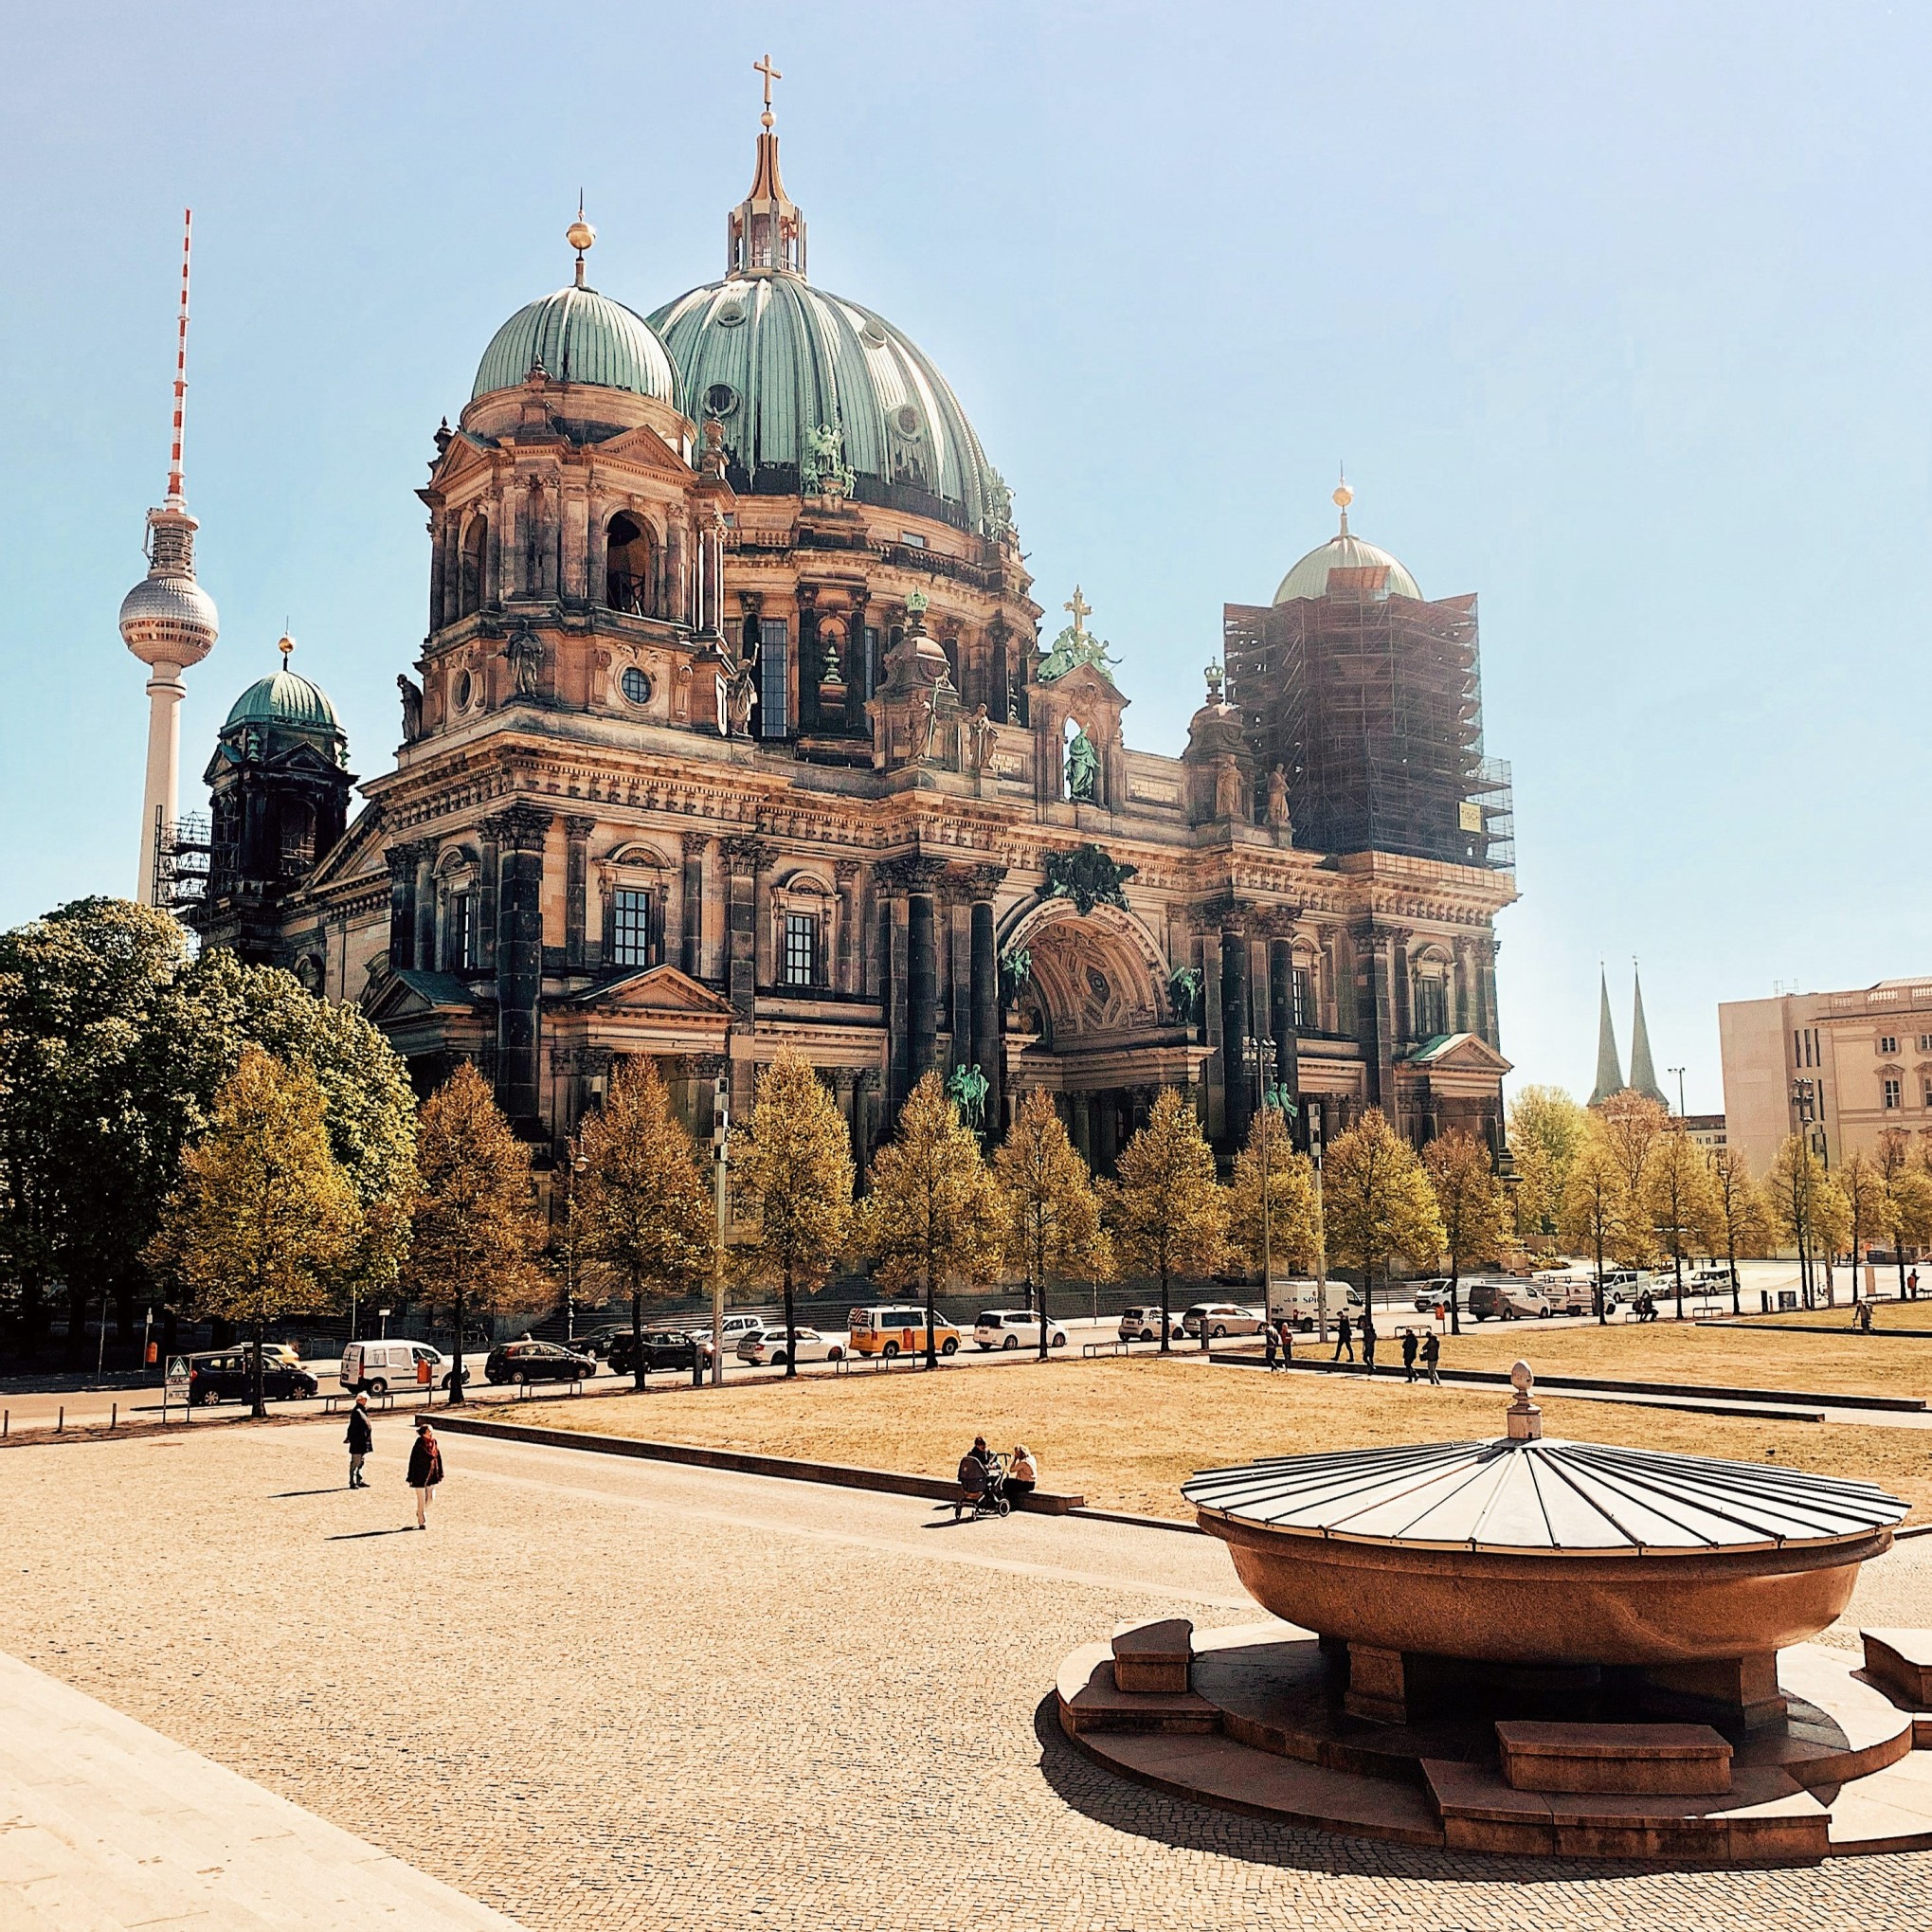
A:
(1544, 1552)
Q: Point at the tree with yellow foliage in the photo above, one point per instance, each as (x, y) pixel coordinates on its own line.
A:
(1052, 1214)
(1165, 1209)
(1681, 1204)
(1376, 1198)
(1470, 1205)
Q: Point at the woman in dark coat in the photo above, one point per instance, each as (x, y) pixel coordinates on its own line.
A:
(361, 1439)
(425, 1468)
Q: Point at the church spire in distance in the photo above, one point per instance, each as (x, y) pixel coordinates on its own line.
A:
(1609, 1066)
(766, 234)
(1643, 1075)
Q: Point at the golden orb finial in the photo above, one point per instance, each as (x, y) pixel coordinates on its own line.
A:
(1342, 498)
(285, 646)
(580, 235)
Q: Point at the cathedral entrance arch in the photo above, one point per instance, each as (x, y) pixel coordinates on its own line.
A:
(1092, 1023)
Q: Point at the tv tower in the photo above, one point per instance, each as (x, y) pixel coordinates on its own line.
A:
(167, 620)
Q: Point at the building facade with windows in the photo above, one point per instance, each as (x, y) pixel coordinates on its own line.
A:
(734, 728)
(1844, 1066)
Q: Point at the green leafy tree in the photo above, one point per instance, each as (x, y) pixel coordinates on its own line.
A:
(1808, 1207)
(1596, 1207)
(1165, 1210)
(1050, 1214)
(1376, 1199)
(1743, 1221)
(642, 1216)
(1907, 1209)
(1546, 1130)
(1863, 1186)
(265, 1218)
(931, 1213)
(473, 1227)
(1682, 1205)
(1294, 1215)
(1629, 1127)
(1469, 1203)
(795, 1174)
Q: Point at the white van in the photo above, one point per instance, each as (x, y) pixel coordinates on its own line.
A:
(1573, 1291)
(371, 1369)
(1300, 1302)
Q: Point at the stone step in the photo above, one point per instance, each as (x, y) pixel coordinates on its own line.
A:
(1889, 1811)
(1154, 1657)
(1766, 1819)
(1900, 1663)
(1092, 1700)
(1679, 1759)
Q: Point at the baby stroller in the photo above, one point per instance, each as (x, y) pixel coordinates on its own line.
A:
(990, 1500)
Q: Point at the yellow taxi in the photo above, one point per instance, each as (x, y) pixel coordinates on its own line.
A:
(899, 1329)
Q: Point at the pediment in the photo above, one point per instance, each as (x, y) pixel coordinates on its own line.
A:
(642, 446)
(463, 457)
(1457, 1053)
(661, 990)
(392, 995)
(357, 850)
(1086, 685)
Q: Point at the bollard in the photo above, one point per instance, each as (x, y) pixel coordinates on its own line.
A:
(113, 1419)
(60, 1423)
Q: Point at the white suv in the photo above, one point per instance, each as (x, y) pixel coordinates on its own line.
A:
(1014, 1329)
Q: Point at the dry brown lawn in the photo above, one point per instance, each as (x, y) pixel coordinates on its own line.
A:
(1832, 1360)
(1126, 1433)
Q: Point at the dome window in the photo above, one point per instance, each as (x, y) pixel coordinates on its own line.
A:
(631, 576)
(465, 690)
(730, 314)
(720, 399)
(872, 334)
(906, 420)
(637, 686)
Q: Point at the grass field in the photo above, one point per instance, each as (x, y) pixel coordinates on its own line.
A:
(1126, 1433)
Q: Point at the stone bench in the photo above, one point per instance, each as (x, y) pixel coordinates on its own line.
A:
(1680, 1761)
(1154, 1657)
(1899, 1662)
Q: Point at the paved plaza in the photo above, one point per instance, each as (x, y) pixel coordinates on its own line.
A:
(600, 1693)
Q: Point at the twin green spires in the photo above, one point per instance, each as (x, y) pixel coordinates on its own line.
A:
(1643, 1074)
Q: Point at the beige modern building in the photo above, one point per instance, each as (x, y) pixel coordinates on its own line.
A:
(1856, 1063)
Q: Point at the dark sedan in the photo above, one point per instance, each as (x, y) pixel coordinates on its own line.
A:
(520, 1362)
(663, 1348)
(228, 1377)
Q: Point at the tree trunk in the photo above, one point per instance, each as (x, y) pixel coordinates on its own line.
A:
(1602, 1314)
(1166, 1320)
(791, 1344)
(1731, 1257)
(456, 1384)
(932, 1341)
(1040, 1305)
(78, 1299)
(1454, 1291)
(258, 1408)
(1677, 1262)
(638, 1370)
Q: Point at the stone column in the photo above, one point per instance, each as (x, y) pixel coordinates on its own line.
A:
(402, 906)
(1375, 1013)
(426, 906)
(743, 859)
(1213, 1113)
(864, 1114)
(573, 504)
(848, 976)
(692, 882)
(519, 959)
(577, 833)
(1240, 1104)
(487, 884)
(955, 898)
(1402, 984)
(922, 969)
(893, 948)
(1281, 1001)
(982, 882)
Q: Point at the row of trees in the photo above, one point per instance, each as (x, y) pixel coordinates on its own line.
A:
(1626, 1182)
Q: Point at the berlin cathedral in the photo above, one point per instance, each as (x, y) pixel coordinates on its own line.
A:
(736, 726)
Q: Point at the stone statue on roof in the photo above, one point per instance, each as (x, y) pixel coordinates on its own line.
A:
(1076, 645)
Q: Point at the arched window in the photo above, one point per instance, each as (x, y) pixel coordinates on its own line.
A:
(471, 567)
(630, 578)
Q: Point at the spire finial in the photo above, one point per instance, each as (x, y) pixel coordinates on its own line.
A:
(771, 74)
(1342, 498)
(286, 646)
(177, 488)
(580, 235)
(1083, 610)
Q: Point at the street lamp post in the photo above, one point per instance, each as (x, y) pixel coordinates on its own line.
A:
(721, 1155)
(1259, 1056)
(1321, 1224)
(1683, 1112)
(574, 1164)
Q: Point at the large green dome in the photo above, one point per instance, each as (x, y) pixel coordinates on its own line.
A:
(774, 358)
(284, 698)
(1309, 578)
(579, 336)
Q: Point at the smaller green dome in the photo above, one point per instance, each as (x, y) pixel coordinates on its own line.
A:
(1309, 578)
(579, 336)
(284, 698)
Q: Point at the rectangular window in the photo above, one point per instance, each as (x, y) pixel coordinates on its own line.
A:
(1888, 1043)
(1891, 1093)
(460, 939)
(1928, 1093)
(774, 678)
(1925, 1043)
(1304, 988)
(1432, 1009)
(630, 929)
(868, 658)
(801, 950)
(913, 538)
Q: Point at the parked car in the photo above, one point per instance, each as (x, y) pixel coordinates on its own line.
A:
(521, 1362)
(1014, 1328)
(768, 1347)
(1429, 1294)
(1143, 1324)
(1510, 1300)
(1622, 1285)
(369, 1369)
(598, 1341)
(897, 1329)
(1223, 1318)
(663, 1348)
(227, 1376)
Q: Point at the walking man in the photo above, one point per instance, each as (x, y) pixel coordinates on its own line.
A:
(1368, 1339)
(1344, 1337)
(425, 1468)
(1287, 1341)
(1408, 1355)
(361, 1439)
(1432, 1355)
(1270, 1346)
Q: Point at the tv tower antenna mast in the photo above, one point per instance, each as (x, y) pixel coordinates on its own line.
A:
(169, 622)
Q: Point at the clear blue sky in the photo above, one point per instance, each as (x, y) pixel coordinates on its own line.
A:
(1618, 316)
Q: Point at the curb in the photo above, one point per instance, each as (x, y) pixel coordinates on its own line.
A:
(841, 1475)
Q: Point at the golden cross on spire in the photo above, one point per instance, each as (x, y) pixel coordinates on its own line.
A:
(1083, 610)
(771, 74)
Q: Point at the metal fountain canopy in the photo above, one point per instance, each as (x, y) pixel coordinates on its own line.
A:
(1524, 1493)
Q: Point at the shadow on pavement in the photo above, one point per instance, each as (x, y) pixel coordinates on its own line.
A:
(357, 1535)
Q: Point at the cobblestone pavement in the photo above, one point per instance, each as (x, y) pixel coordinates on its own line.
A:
(608, 1693)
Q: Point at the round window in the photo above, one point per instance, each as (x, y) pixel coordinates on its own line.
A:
(637, 686)
(872, 334)
(465, 688)
(906, 420)
(720, 399)
(729, 315)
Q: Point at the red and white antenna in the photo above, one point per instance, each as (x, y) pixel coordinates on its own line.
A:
(177, 489)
